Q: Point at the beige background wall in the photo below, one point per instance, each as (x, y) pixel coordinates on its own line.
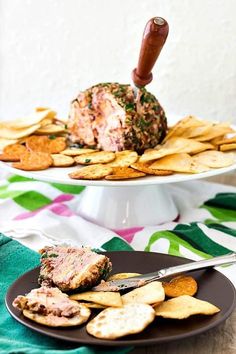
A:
(50, 49)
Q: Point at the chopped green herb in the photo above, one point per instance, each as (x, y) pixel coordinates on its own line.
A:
(52, 137)
(53, 255)
(66, 126)
(44, 255)
(90, 106)
(87, 160)
(130, 107)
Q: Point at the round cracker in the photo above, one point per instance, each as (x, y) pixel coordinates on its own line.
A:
(60, 160)
(95, 158)
(113, 323)
(33, 161)
(77, 152)
(57, 145)
(56, 321)
(214, 159)
(124, 158)
(98, 171)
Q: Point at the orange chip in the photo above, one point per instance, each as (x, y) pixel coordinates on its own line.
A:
(33, 161)
(12, 152)
(124, 173)
(57, 145)
(144, 167)
(181, 285)
(44, 144)
(38, 143)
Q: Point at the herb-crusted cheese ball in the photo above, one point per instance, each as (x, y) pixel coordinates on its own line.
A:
(109, 117)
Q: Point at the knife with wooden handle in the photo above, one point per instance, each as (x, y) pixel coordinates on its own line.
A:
(140, 280)
(154, 37)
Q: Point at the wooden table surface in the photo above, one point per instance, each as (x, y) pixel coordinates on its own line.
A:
(220, 340)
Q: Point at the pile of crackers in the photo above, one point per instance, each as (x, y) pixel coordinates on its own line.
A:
(132, 312)
(191, 146)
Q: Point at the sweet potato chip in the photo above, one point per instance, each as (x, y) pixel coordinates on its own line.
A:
(60, 160)
(33, 161)
(105, 298)
(184, 306)
(12, 152)
(92, 172)
(214, 159)
(228, 147)
(57, 145)
(44, 143)
(181, 285)
(124, 173)
(145, 167)
(95, 157)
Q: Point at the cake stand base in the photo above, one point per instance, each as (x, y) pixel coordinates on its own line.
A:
(125, 207)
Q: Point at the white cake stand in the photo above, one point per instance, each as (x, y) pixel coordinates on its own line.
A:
(125, 203)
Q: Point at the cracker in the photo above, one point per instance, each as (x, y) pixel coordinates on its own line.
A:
(214, 159)
(119, 173)
(34, 119)
(93, 172)
(215, 131)
(105, 298)
(124, 158)
(185, 306)
(114, 323)
(145, 167)
(33, 161)
(95, 158)
(51, 129)
(228, 147)
(10, 133)
(183, 163)
(181, 285)
(223, 141)
(77, 152)
(6, 142)
(60, 160)
(56, 321)
(147, 294)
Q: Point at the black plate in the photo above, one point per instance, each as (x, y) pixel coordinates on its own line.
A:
(213, 287)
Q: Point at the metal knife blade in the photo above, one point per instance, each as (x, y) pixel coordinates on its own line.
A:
(140, 280)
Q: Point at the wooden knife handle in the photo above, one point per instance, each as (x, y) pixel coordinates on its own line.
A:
(154, 37)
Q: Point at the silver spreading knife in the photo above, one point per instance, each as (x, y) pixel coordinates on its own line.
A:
(154, 37)
(135, 282)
